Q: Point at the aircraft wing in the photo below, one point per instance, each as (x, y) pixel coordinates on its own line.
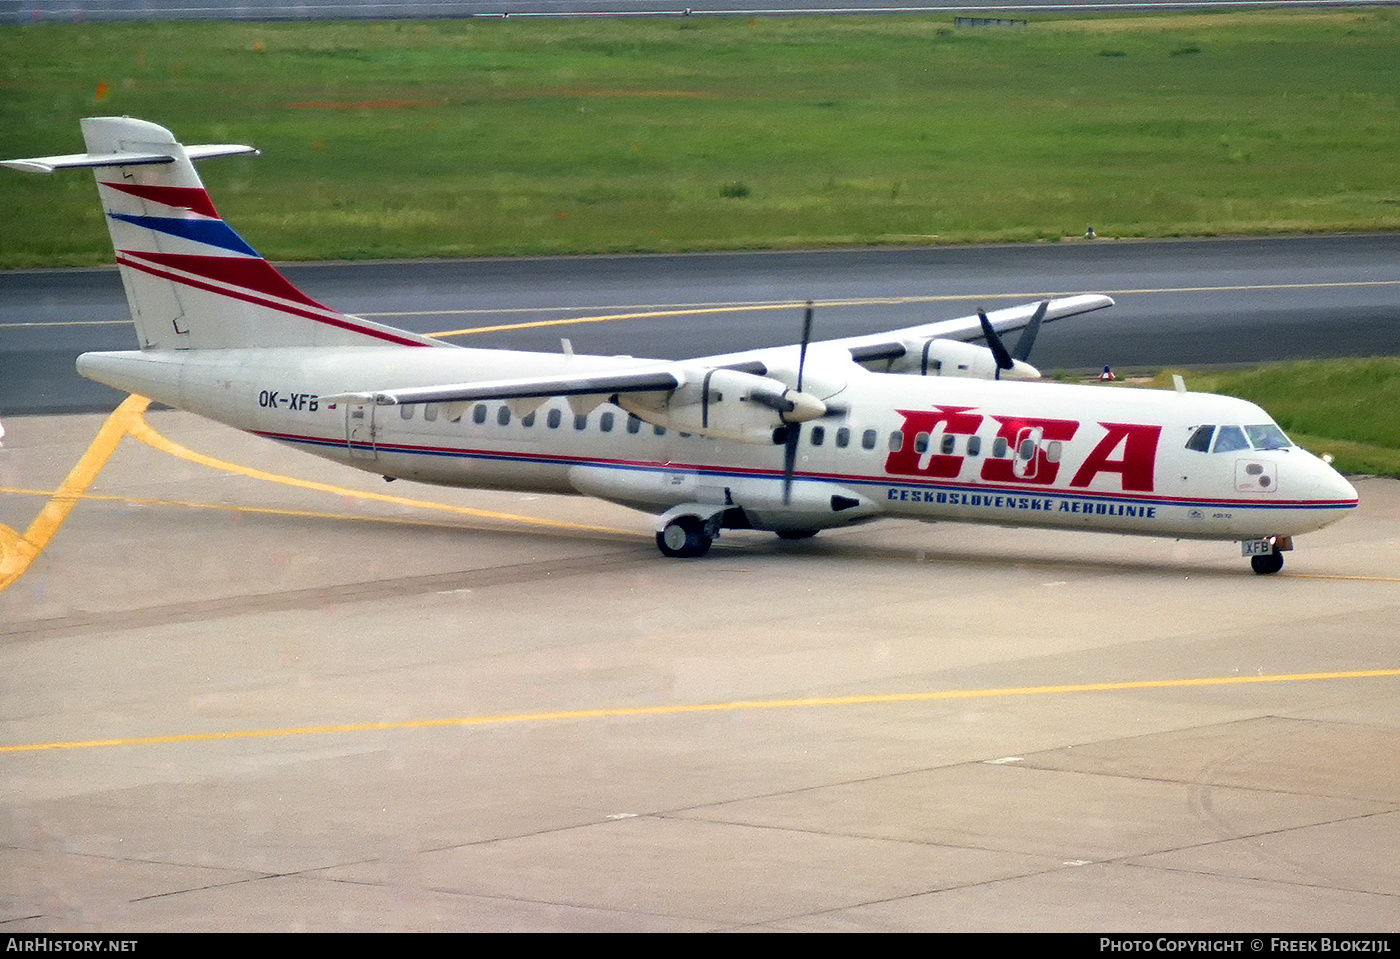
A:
(709, 400)
(872, 350)
(875, 348)
(603, 383)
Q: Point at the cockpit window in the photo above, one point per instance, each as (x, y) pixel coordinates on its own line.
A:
(1230, 438)
(1267, 436)
(1200, 440)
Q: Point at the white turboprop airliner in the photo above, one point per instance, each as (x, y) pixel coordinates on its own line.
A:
(913, 423)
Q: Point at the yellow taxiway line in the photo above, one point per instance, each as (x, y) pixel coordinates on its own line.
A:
(19, 551)
(684, 708)
(142, 431)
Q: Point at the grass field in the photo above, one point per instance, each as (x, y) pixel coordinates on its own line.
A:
(453, 138)
(450, 138)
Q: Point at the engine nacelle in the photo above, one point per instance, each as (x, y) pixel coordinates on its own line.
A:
(940, 357)
(727, 404)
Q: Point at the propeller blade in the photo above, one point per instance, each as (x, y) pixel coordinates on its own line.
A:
(806, 337)
(994, 343)
(794, 433)
(794, 430)
(1027, 340)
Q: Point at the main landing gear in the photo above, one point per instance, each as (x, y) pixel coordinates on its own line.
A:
(688, 531)
(1270, 562)
(685, 537)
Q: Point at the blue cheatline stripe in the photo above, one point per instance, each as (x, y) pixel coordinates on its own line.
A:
(209, 232)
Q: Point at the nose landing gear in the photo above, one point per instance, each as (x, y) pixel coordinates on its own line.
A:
(1266, 555)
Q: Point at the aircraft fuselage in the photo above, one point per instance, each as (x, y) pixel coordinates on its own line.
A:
(928, 448)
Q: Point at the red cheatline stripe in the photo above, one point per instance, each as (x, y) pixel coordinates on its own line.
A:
(335, 319)
(191, 198)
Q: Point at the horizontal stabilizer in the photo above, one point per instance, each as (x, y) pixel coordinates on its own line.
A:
(124, 158)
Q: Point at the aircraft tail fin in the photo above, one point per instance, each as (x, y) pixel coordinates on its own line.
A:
(192, 283)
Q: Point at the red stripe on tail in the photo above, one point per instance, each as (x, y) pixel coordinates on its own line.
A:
(258, 275)
(191, 198)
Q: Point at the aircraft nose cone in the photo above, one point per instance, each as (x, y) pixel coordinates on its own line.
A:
(1331, 493)
(1340, 488)
(1324, 484)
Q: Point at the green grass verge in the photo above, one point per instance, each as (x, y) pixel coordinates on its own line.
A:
(475, 137)
(1343, 407)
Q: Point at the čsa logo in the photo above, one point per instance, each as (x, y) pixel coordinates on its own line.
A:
(1127, 450)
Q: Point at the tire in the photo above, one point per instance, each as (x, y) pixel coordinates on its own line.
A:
(1267, 564)
(684, 538)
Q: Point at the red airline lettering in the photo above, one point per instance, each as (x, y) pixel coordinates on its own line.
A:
(1015, 430)
(1138, 463)
(956, 419)
(1135, 446)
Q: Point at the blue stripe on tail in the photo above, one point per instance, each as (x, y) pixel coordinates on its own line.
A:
(215, 233)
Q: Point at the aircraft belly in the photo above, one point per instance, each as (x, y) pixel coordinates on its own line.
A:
(474, 468)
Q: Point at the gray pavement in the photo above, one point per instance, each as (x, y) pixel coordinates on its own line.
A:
(281, 708)
(1181, 303)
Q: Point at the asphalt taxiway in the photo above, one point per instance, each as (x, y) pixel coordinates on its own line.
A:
(246, 690)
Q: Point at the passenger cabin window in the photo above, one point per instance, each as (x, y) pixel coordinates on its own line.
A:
(921, 443)
(843, 437)
(406, 411)
(948, 444)
(974, 446)
(554, 419)
(999, 447)
(634, 425)
(479, 414)
(503, 416)
(580, 422)
(605, 422)
(430, 411)
(868, 439)
(818, 435)
(896, 441)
